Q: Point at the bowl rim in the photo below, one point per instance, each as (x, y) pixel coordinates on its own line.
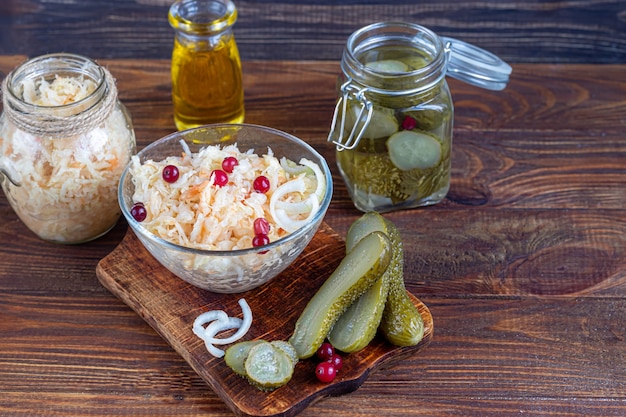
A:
(324, 204)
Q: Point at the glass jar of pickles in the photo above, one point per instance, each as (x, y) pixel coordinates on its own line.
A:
(206, 67)
(393, 120)
(64, 141)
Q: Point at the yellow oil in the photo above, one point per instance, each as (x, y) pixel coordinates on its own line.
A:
(206, 83)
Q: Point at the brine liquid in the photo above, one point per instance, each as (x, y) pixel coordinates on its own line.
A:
(206, 84)
(412, 58)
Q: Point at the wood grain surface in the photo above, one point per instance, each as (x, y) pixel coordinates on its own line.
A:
(522, 266)
(538, 31)
(171, 306)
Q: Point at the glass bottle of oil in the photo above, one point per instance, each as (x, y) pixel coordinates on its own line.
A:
(206, 67)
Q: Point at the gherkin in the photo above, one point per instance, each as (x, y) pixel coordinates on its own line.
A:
(356, 273)
(401, 323)
(357, 326)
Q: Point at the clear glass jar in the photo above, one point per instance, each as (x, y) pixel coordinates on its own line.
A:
(206, 67)
(64, 141)
(393, 120)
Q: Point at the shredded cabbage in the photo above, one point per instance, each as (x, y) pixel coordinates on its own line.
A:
(193, 212)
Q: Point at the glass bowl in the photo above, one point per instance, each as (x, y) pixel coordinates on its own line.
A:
(230, 271)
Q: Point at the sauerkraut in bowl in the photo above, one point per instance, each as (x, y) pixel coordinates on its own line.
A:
(226, 207)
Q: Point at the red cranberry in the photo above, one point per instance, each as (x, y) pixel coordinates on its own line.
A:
(325, 371)
(261, 226)
(336, 360)
(261, 184)
(325, 351)
(220, 178)
(409, 123)
(260, 240)
(229, 163)
(170, 174)
(138, 211)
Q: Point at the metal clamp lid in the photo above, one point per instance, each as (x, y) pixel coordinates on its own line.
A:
(475, 66)
(363, 117)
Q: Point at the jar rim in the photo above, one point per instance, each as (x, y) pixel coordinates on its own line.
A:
(202, 17)
(395, 33)
(43, 65)
(74, 118)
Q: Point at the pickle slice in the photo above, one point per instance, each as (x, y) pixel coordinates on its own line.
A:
(409, 149)
(388, 65)
(268, 367)
(286, 348)
(382, 124)
(236, 355)
(355, 274)
(414, 62)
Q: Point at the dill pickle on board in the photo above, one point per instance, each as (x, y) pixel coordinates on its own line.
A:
(356, 273)
(394, 313)
(356, 328)
(401, 323)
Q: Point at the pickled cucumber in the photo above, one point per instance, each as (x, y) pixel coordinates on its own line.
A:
(287, 348)
(357, 272)
(395, 314)
(356, 328)
(409, 149)
(267, 367)
(358, 325)
(382, 124)
(401, 323)
(388, 66)
(236, 355)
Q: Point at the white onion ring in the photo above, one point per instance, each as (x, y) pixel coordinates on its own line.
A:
(214, 328)
(291, 169)
(294, 186)
(215, 351)
(319, 176)
(294, 208)
(243, 327)
(283, 220)
(219, 321)
(204, 318)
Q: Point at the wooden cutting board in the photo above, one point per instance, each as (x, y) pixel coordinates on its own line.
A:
(170, 306)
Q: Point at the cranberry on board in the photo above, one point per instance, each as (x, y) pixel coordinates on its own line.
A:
(325, 351)
(325, 371)
(336, 360)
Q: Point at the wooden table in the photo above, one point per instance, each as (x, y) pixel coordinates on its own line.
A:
(523, 266)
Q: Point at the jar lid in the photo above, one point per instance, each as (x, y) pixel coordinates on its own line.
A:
(476, 66)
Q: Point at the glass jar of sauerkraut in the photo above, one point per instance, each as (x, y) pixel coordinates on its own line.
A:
(64, 141)
(393, 120)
